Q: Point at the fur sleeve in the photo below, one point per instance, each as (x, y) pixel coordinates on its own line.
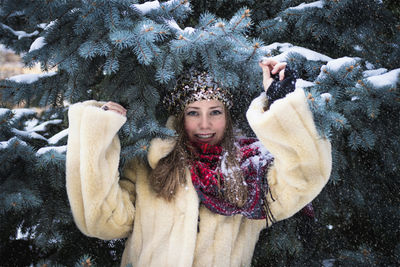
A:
(101, 206)
(303, 159)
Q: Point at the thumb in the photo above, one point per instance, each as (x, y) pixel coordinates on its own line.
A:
(267, 80)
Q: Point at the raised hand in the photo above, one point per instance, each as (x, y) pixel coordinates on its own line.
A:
(114, 107)
(271, 67)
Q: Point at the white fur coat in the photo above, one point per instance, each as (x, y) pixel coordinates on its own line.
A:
(182, 232)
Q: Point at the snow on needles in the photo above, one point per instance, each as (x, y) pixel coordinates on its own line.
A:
(6, 144)
(147, 6)
(37, 44)
(172, 24)
(57, 137)
(369, 73)
(30, 77)
(20, 112)
(336, 64)
(43, 126)
(5, 50)
(19, 34)
(317, 4)
(388, 79)
(59, 149)
(3, 111)
(300, 83)
(30, 135)
(150, 5)
(286, 48)
(378, 77)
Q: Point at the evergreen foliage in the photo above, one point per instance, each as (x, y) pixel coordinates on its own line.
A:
(352, 27)
(132, 53)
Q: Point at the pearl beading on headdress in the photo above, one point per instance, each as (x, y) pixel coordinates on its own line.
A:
(195, 86)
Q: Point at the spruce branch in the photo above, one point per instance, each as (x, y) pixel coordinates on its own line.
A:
(245, 15)
(181, 3)
(222, 26)
(94, 4)
(255, 47)
(111, 17)
(211, 21)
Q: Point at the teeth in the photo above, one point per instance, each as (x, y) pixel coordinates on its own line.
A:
(204, 135)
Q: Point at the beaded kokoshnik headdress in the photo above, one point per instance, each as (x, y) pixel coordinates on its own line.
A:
(193, 86)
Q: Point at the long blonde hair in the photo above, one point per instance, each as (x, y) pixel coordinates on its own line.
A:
(170, 171)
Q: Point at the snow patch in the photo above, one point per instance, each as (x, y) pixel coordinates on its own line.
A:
(326, 96)
(147, 7)
(336, 64)
(3, 111)
(369, 65)
(42, 25)
(300, 83)
(357, 48)
(174, 25)
(17, 13)
(279, 46)
(19, 34)
(328, 262)
(6, 50)
(20, 112)
(59, 149)
(46, 26)
(37, 44)
(29, 135)
(5, 144)
(369, 73)
(388, 79)
(287, 48)
(317, 4)
(29, 124)
(30, 77)
(43, 126)
(57, 137)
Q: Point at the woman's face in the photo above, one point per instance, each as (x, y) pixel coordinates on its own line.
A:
(205, 121)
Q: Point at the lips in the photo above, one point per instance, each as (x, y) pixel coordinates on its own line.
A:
(205, 136)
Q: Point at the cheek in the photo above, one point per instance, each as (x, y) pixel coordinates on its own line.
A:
(188, 125)
(221, 125)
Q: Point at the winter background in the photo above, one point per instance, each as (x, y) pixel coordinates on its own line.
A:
(345, 51)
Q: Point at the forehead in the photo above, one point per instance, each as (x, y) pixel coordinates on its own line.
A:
(211, 103)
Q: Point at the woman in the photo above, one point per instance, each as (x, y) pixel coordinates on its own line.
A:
(202, 198)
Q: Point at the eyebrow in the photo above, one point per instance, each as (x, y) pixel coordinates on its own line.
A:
(209, 108)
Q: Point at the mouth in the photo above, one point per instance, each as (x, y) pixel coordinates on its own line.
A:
(205, 136)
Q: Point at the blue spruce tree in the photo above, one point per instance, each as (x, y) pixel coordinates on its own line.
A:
(131, 53)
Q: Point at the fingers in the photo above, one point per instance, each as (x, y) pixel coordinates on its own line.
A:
(282, 75)
(266, 70)
(268, 62)
(274, 67)
(114, 107)
(279, 68)
(267, 80)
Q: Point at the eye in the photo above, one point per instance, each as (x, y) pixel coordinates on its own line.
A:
(216, 112)
(192, 113)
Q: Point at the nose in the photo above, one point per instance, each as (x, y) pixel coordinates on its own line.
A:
(204, 122)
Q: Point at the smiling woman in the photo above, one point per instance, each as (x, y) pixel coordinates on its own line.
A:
(205, 121)
(203, 196)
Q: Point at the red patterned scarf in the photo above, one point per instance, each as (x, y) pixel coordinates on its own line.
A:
(208, 178)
